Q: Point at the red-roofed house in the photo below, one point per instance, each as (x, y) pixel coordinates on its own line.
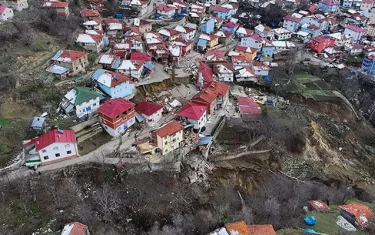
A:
(224, 72)
(90, 14)
(214, 95)
(75, 228)
(249, 109)
(266, 229)
(168, 137)
(140, 56)
(245, 74)
(62, 8)
(91, 40)
(241, 61)
(318, 44)
(143, 25)
(318, 205)
(221, 12)
(237, 228)
(75, 61)
(204, 74)
(355, 49)
(291, 23)
(355, 32)
(6, 13)
(121, 49)
(194, 114)
(53, 146)
(114, 28)
(150, 111)
(116, 116)
(215, 55)
(166, 10)
(357, 214)
(366, 5)
(249, 52)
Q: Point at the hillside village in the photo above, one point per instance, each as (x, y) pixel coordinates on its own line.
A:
(229, 68)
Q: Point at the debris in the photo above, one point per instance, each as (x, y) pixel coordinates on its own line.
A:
(343, 223)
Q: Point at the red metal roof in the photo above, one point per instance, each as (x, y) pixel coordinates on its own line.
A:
(140, 56)
(247, 105)
(169, 129)
(114, 107)
(355, 28)
(266, 229)
(362, 213)
(238, 228)
(78, 229)
(230, 25)
(54, 4)
(55, 136)
(319, 205)
(163, 7)
(73, 55)
(2, 9)
(89, 13)
(292, 18)
(330, 2)
(192, 111)
(148, 108)
(206, 71)
(221, 9)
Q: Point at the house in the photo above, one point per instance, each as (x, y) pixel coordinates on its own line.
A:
(243, 32)
(245, 74)
(175, 52)
(116, 116)
(225, 37)
(183, 7)
(354, 32)
(205, 74)
(354, 49)
(141, 6)
(237, 228)
(208, 25)
(131, 68)
(54, 146)
(264, 31)
(168, 34)
(62, 8)
(166, 11)
(253, 41)
(121, 50)
(282, 46)
(75, 228)
(230, 27)
(195, 114)
(206, 40)
(340, 39)
(75, 61)
(17, 5)
(367, 5)
(221, 12)
(186, 45)
(144, 26)
(224, 72)
(38, 123)
(218, 22)
(150, 112)
(267, 51)
(81, 101)
(328, 6)
(357, 214)
(368, 65)
(215, 56)
(292, 23)
(318, 205)
(187, 33)
(371, 30)
(249, 109)
(114, 28)
(282, 34)
(356, 19)
(136, 43)
(260, 68)
(311, 29)
(318, 44)
(195, 17)
(368, 50)
(214, 95)
(113, 84)
(249, 52)
(143, 56)
(266, 229)
(93, 24)
(168, 137)
(91, 40)
(106, 60)
(240, 61)
(321, 21)
(90, 14)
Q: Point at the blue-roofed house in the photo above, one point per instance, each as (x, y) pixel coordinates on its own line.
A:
(58, 71)
(114, 84)
(148, 70)
(38, 123)
(208, 25)
(75, 61)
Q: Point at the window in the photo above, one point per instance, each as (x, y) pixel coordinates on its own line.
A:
(55, 148)
(94, 104)
(67, 146)
(57, 155)
(166, 142)
(68, 152)
(43, 151)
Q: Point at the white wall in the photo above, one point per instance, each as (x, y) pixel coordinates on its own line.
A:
(81, 109)
(57, 148)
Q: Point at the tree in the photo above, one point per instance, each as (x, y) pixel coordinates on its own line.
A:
(107, 201)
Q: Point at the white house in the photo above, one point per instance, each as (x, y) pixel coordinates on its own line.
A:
(318, 20)
(224, 72)
(282, 45)
(253, 41)
(17, 5)
(340, 39)
(187, 33)
(245, 74)
(166, 11)
(95, 24)
(53, 146)
(195, 114)
(91, 41)
(6, 13)
(149, 112)
(83, 101)
(264, 31)
(243, 32)
(282, 34)
(140, 5)
(260, 68)
(131, 68)
(354, 32)
(292, 23)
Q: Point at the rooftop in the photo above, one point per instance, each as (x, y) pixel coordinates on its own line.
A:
(169, 129)
(114, 107)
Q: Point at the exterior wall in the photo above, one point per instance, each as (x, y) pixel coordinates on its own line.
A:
(18, 5)
(355, 36)
(87, 107)
(226, 77)
(120, 128)
(368, 66)
(145, 28)
(326, 8)
(290, 25)
(51, 152)
(213, 43)
(7, 14)
(96, 47)
(120, 91)
(154, 118)
(134, 73)
(169, 142)
(167, 14)
(269, 51)
(198, 124)
(221, 15)
(208, 27)
(228, 29)
(118, 125)
(283, 36)
(366, 6)
(371, 30)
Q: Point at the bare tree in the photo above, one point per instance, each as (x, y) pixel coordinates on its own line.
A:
(107, 201)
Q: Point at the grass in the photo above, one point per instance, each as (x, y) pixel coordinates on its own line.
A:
(4, 122)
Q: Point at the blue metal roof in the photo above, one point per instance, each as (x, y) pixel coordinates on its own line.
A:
(38, 122)
(57, 69)
(116, 64)
(97, 74)
(139, 117)
(205, 140)
(202, 42)
(57, 55)
(149, 65)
